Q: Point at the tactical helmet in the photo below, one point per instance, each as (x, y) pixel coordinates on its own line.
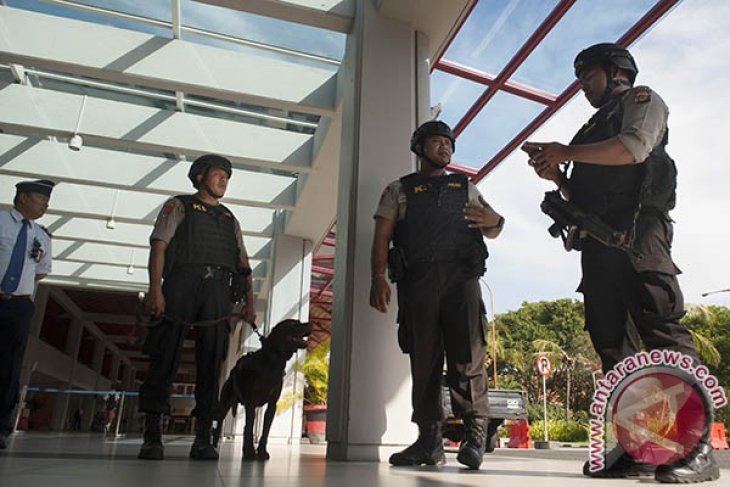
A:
(205, 163)
(432, 127)
(605, 54)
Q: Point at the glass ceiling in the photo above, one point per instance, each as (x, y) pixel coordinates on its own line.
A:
(493, 35)
(145, 112)
(135, 75)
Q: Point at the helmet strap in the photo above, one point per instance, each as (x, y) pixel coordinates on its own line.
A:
(210, 192)
(205, 188)
(433, 163)
(422, 155)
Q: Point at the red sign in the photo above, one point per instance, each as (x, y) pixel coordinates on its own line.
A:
(543, 365)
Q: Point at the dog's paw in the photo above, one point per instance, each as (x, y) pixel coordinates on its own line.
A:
(262, 455)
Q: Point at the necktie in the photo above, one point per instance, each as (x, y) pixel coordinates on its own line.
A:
(15, 267)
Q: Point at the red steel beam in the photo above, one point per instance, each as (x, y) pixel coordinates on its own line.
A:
(323, 270)
(519, 89)
(525, 133)
(324, 294)
(454, 33)
(326, 285)
(318, 258)
(547, 25)
(465, 170)
(649, 19)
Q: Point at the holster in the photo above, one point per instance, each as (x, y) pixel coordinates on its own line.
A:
(397, 264)
(239, 284)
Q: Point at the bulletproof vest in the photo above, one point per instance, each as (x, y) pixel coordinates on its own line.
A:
(434, 228)
(205, 237)
(615, 193)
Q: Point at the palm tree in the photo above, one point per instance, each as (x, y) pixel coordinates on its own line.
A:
(701, 314)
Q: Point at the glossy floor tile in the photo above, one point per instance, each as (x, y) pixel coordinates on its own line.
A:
(83, 460)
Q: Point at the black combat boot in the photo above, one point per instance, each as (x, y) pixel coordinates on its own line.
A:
(428, 449)
(202, 448)
(624, 466)
(492, 438)
(472, 448)
(699, 466)
(152, 448)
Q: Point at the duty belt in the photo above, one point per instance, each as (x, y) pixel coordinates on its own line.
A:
(8, 297)
(208, 272)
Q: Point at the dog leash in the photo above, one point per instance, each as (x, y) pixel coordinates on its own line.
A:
(146, 320)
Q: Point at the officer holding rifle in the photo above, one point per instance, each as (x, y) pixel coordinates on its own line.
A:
(619, 194)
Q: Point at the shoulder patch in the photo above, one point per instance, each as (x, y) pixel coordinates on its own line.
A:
(642, 94)
(169, 206)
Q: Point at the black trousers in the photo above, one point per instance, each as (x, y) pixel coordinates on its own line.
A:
(188, 298)
(15, 318)
(628, 300)
(441, 312)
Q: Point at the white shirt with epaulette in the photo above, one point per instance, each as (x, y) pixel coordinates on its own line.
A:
(10, 223)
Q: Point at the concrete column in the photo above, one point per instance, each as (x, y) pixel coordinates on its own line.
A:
(116, 360)
(369, 408)
(291, 261)
(96, 363)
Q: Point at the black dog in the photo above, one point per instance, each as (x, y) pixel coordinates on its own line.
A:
(257, 379)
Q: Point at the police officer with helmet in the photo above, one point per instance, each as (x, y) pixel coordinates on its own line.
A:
(197, 258)
(436, 223)
(622, 174)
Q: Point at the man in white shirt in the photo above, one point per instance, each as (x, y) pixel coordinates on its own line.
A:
(25, 258)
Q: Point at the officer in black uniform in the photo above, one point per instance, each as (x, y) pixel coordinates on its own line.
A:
(436, 222)
(622, 174)
(198, 249)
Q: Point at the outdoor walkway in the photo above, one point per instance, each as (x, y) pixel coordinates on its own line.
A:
(84, 460)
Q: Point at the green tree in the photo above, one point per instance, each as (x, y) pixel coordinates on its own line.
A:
(710, 328)
(555, 327)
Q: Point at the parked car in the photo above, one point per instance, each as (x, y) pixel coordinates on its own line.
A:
(503, 404)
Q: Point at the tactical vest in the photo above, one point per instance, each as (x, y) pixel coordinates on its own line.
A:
(434, 228)
(205, 237)
(617, 193)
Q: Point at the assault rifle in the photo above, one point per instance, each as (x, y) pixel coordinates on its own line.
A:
(571, 222)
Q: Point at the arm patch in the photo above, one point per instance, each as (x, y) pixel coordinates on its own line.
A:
(642, 94)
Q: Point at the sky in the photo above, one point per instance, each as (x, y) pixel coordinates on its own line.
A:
(685, 60)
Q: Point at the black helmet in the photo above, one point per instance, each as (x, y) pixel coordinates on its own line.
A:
(433, 127)
(605, 54)
(204, 163)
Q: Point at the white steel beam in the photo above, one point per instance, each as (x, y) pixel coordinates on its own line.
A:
(104, 52)
(32, 111)
(335, 15)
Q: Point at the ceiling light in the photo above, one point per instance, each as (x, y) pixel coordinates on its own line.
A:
(76, 141)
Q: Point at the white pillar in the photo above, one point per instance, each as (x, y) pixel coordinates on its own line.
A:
(369, 409)
(291, 261)
(291, 276)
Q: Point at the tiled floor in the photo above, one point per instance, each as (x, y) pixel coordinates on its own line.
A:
(61, 460)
